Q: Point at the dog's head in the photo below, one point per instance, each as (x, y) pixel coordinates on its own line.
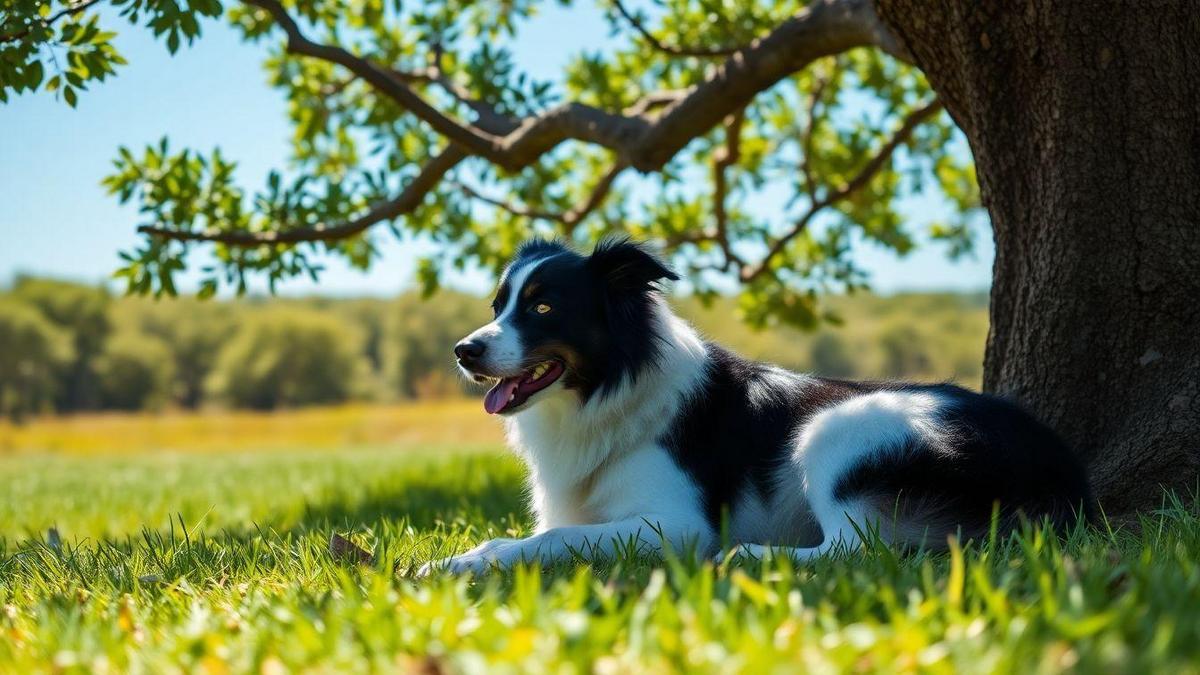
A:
(564, 321)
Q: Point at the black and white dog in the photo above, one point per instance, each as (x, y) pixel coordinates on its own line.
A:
(636, 430)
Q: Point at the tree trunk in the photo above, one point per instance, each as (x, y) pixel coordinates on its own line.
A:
(1084, 119)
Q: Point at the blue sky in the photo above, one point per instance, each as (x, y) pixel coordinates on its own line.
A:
(57, 220)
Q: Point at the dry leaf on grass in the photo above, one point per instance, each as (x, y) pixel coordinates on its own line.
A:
(344, 550)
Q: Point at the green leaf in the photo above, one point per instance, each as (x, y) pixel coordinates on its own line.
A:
(34, 75)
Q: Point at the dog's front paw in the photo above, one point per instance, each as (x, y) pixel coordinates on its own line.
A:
(484, 558)
(742, 553)
(430, 568)
(475, 563)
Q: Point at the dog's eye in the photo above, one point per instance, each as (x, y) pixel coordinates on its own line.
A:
(541, 308)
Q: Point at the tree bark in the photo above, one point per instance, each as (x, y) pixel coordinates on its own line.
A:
(1084, 120)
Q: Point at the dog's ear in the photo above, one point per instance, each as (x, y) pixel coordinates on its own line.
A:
(627, 266)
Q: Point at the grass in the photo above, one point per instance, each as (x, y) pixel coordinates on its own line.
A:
(218, 562)
(455, 422)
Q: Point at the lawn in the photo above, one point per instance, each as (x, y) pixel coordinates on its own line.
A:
(214, 560)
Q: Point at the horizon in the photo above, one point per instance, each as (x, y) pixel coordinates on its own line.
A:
(113, 287)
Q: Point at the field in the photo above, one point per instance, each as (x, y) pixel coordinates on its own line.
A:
(200, 544)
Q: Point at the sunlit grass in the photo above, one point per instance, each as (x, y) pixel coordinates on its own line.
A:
(216, 562)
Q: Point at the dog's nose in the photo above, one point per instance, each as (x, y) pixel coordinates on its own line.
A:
(469, 350)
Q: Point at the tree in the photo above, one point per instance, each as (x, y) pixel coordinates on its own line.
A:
(904, 352)
(831, 357)
(32, 353)
(82, 312)
(1083, 125)
(135, 371)
(414, 356)
(1081, 121)
(284, 357)
(192, 331)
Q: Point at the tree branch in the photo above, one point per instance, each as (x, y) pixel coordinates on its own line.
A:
(900, 137)
(722, 160)
(806, 139)
(824, 28)
(864, 176)
(489, 119)
(407, 201)
(702, 52)
(646, 143)
(569, 218)
(474, 140)
(576, 215)
(515, 209)
(70, 10)
(653, 100)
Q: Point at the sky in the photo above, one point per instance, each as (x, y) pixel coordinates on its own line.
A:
(56, 219)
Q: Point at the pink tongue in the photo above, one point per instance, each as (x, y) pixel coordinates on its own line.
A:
(497, 396)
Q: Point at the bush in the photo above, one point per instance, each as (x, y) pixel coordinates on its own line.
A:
(288, 356)
(831, 357)
(33, 351)
(904, 353)
(326, 350)
(135, 371)
(82, 312)
(421, 334)
(193, 330)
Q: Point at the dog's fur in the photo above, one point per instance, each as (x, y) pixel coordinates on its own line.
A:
(651, 434)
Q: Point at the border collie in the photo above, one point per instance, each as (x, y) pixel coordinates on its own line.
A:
(637, 431)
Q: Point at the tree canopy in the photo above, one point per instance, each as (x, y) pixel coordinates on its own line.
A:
(414, 120)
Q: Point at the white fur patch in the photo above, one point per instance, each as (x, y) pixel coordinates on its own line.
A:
(773, 381)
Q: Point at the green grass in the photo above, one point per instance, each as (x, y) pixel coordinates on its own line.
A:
(219, 563)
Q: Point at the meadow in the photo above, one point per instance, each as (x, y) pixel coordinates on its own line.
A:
(200, 543)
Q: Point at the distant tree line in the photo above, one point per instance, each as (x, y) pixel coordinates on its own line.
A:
(67, 347)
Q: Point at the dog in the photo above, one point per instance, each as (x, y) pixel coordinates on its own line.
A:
(635, 430)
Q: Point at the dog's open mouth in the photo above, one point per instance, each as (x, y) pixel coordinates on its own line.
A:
(511, 392)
